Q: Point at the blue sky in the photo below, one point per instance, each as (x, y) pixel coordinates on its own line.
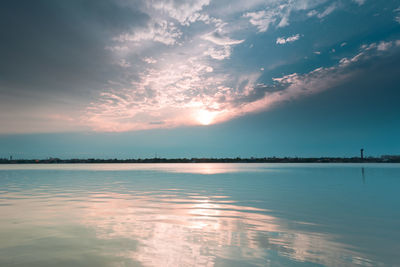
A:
(121, 78)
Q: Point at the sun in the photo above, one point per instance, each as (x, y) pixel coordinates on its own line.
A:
(205, 117)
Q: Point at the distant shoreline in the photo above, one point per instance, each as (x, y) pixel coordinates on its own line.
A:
(382, 159)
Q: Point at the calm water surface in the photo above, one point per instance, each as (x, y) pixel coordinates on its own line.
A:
(200, 215)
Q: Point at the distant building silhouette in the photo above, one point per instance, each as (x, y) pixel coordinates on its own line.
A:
(362, 153)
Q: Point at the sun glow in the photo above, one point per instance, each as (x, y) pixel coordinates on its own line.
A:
(205, 117)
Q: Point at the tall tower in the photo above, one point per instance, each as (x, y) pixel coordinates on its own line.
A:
(362, 153)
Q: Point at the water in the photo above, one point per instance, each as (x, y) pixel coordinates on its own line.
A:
(200, 215)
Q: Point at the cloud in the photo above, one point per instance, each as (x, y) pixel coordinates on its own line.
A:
(160, 31)
(126, 65)
(295, 85)
(327, 11)
(219, 53)
(162, 94)
(59, 46)
(185, 12)
(189, 92)
(312, 13)
(368, 51)
(290, 39)
(397, 15)
(217, 38)
(359, 2)
(53, 59)
(261, 19)
(278, 13)
(383, 46)
(149, 60)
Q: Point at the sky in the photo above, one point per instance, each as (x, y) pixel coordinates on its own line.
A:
(199, 78)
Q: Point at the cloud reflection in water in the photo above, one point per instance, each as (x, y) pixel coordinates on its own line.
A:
(163, 215)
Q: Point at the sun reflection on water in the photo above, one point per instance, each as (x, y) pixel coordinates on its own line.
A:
(171, 229)
(200, 230)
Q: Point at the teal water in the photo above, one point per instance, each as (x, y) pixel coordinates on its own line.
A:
(200, 215)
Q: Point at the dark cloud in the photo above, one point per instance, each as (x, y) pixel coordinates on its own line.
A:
(56, 45)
